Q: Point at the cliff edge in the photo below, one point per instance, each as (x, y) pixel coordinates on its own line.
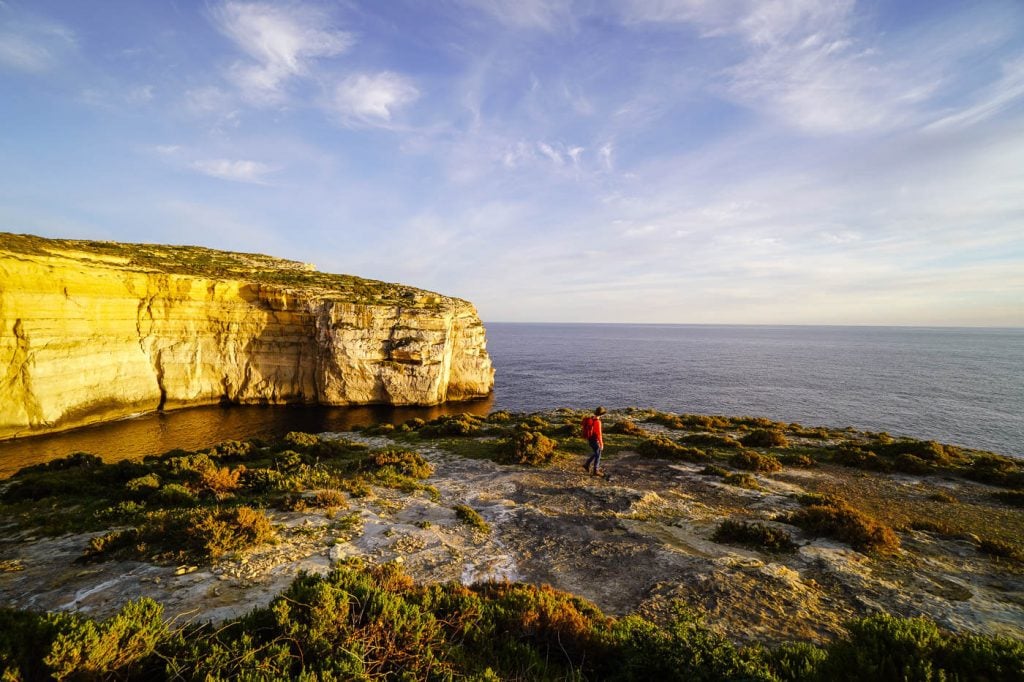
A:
(93, 331)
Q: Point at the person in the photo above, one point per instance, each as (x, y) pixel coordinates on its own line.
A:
(592, 432)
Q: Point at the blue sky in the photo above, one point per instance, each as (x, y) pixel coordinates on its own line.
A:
(676, 161)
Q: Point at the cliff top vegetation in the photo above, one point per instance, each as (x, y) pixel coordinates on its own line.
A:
(198, 261)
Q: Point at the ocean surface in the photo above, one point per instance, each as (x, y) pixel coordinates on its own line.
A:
(960, 386)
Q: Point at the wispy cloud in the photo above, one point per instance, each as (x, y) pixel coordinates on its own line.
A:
(372, 99)
(1000, 95)
(234, 170)
(281, 42)
(32, 45)
(529, 14)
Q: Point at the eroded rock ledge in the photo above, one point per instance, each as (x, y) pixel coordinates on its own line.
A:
(98, 330)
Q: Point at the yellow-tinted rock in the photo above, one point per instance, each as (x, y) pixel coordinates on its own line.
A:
(91, 331)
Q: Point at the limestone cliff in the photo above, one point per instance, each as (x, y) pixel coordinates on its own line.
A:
(91, 331)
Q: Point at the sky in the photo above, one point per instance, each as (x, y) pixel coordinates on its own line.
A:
(647, 161)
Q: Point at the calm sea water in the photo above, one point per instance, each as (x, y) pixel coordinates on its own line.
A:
(962, 386)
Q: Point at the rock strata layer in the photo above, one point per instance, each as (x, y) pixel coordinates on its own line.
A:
(93, 331)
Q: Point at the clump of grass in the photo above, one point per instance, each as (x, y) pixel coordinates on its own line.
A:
(943, 496)
(143, 486)
(715, 470)
(801, 461)
(835, 518)
(746, 481)
(472, 518)
(756, 535)
(709, 440)
(765, 438)
(852, 456)
(753, 461)
(661, 447)
(401, 462)
(330, 499)
(526, 447)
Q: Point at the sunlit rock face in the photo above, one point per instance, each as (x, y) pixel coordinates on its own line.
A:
(93, 331)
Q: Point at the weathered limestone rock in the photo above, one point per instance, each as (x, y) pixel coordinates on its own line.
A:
(91, 331)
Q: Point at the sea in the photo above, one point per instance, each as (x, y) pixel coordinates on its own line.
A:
(963, 386)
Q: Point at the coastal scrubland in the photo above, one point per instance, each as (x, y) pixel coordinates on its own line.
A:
(476, 548)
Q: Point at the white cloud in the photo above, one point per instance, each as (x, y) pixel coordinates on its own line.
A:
(234, 170)
(540, 14)
(551, 153)
(281, 41)
(34, 46)
(372, 99)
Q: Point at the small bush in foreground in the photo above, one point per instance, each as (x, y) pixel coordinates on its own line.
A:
(765, 438)
(836, 519)
(753, 461)
(756, 535)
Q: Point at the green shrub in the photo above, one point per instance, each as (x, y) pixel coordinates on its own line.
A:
(330, 499)
(471, 517)
(765, 438)
(458, 425)
(143, 486)
(526, 447)
(499, 417)
(753, 461)
(626, 427)
(401, 462)
(715, 470)
(661, 447)
(174, 494)
(996, 470)
(796, 661)
(852, 456)
(739, 480)
(267, 481)
(709, 440)
(300, 441)
(836, 519)
(756, 535)
(233, 450)
(114, 648)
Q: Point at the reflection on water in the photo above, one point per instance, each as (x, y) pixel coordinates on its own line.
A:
(200, 427)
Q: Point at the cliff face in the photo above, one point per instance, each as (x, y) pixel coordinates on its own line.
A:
(95, 331)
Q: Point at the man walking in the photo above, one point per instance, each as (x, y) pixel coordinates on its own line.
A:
(592, 432)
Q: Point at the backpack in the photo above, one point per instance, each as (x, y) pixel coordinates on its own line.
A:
(588, 427)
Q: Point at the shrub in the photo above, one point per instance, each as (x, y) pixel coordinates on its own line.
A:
(932, 526)
(459, 425)
(234, 450)
(709, 440)
(754, 535)
(715, 470)
(77, 460)
(330, 499)
(661, 447)
(526, 447)
(852, 456)
(267, 481)
(746, 481)
(382, 429)
(753, 461)
(85, 649)
(836, 519)
(220, 480)
(765, 438)
(996, 470)
(300, 440)
(471, 517)
(802, 461)
(626, 427)
(884, 647)
(288, 460)
(401, 462)
(499, 417)
(143, 486)
(911, 464)
(943, 496)
(174, 494)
